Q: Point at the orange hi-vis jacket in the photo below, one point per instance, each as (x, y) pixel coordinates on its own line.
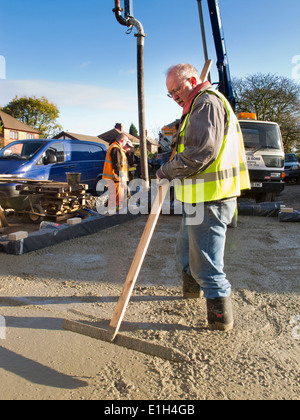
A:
(108, 170)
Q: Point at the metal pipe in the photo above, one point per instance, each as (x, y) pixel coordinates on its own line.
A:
(117, 11)
(129, 22)
(138, 26)
(141, 98)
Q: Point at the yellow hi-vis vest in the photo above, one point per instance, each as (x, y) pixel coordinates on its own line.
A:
(108, 171)
(227, 175)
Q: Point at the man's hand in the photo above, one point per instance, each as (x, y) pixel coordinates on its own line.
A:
(160, 175)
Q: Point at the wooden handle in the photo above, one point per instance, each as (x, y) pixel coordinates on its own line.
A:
(205, 71)
(138, 260)
(3, 221)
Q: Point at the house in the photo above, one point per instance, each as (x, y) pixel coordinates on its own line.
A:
(152, 145)
(73, 136)
(13, 129)
(166, 135)
(109, 136)
(170, 129)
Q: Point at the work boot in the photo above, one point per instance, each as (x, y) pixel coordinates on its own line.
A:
(190, 287)
(219, 314)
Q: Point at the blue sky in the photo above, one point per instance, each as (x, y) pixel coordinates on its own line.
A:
(78, 56)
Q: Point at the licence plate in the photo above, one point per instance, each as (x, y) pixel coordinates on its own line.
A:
(256, 184)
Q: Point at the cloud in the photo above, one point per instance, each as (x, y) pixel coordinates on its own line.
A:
(92, 109)
(85, 64)
(129, 72)
(68, 95)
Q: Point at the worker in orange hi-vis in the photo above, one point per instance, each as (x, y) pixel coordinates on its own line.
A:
(115, 172)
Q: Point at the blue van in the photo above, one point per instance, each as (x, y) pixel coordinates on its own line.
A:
(50, 160)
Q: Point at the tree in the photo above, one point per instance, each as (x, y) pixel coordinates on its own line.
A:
(272, 98)
(37, 113)
(133, 130)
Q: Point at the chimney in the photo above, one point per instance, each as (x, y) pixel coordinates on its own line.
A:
(119, 127)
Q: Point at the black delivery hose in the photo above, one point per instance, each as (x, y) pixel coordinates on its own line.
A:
(141, 94)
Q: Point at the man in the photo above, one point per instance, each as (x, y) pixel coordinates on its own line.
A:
(211, 164)
(116, 170)
(132, 162)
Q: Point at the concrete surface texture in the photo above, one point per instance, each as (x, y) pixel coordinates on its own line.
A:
(82, 279)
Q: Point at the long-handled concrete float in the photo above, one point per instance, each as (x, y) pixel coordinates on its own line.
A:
(112, 334)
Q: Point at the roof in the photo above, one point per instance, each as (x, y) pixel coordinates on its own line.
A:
(13, 124)
(82, 137)
(152, 141)
(111, 135)
(171, 125)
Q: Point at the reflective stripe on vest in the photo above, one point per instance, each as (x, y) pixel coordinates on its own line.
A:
(108, 171)
(227, 175)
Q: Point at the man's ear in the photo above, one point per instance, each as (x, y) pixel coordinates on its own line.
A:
(193, 81)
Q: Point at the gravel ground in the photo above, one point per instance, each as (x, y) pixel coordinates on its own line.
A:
(82, 279)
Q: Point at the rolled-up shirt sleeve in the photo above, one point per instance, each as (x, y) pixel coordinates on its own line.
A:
(203, 138)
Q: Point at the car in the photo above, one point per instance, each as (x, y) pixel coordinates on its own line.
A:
(292, 167)
(50, 159)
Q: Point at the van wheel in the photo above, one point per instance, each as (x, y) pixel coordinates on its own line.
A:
(94, 191)
(36, 218)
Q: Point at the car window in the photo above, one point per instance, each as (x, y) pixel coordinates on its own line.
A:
(80, 151)
(97, 152)
(291, 158)
(54, 154)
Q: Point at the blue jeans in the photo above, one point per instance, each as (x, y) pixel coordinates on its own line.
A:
(200, 248)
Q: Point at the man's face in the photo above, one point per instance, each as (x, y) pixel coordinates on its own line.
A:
(179, 89)
(124, 142)
(126, 148)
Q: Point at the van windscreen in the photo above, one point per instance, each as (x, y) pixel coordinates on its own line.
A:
(23, 150)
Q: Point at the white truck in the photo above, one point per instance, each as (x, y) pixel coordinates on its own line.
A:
(265, 156)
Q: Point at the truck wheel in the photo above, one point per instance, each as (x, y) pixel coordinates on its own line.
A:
(264, 197)
(261, 198)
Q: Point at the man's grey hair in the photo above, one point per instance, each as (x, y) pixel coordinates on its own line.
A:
(120, 137)
(183, 71)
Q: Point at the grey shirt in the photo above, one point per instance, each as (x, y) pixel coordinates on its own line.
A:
(204, 136)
